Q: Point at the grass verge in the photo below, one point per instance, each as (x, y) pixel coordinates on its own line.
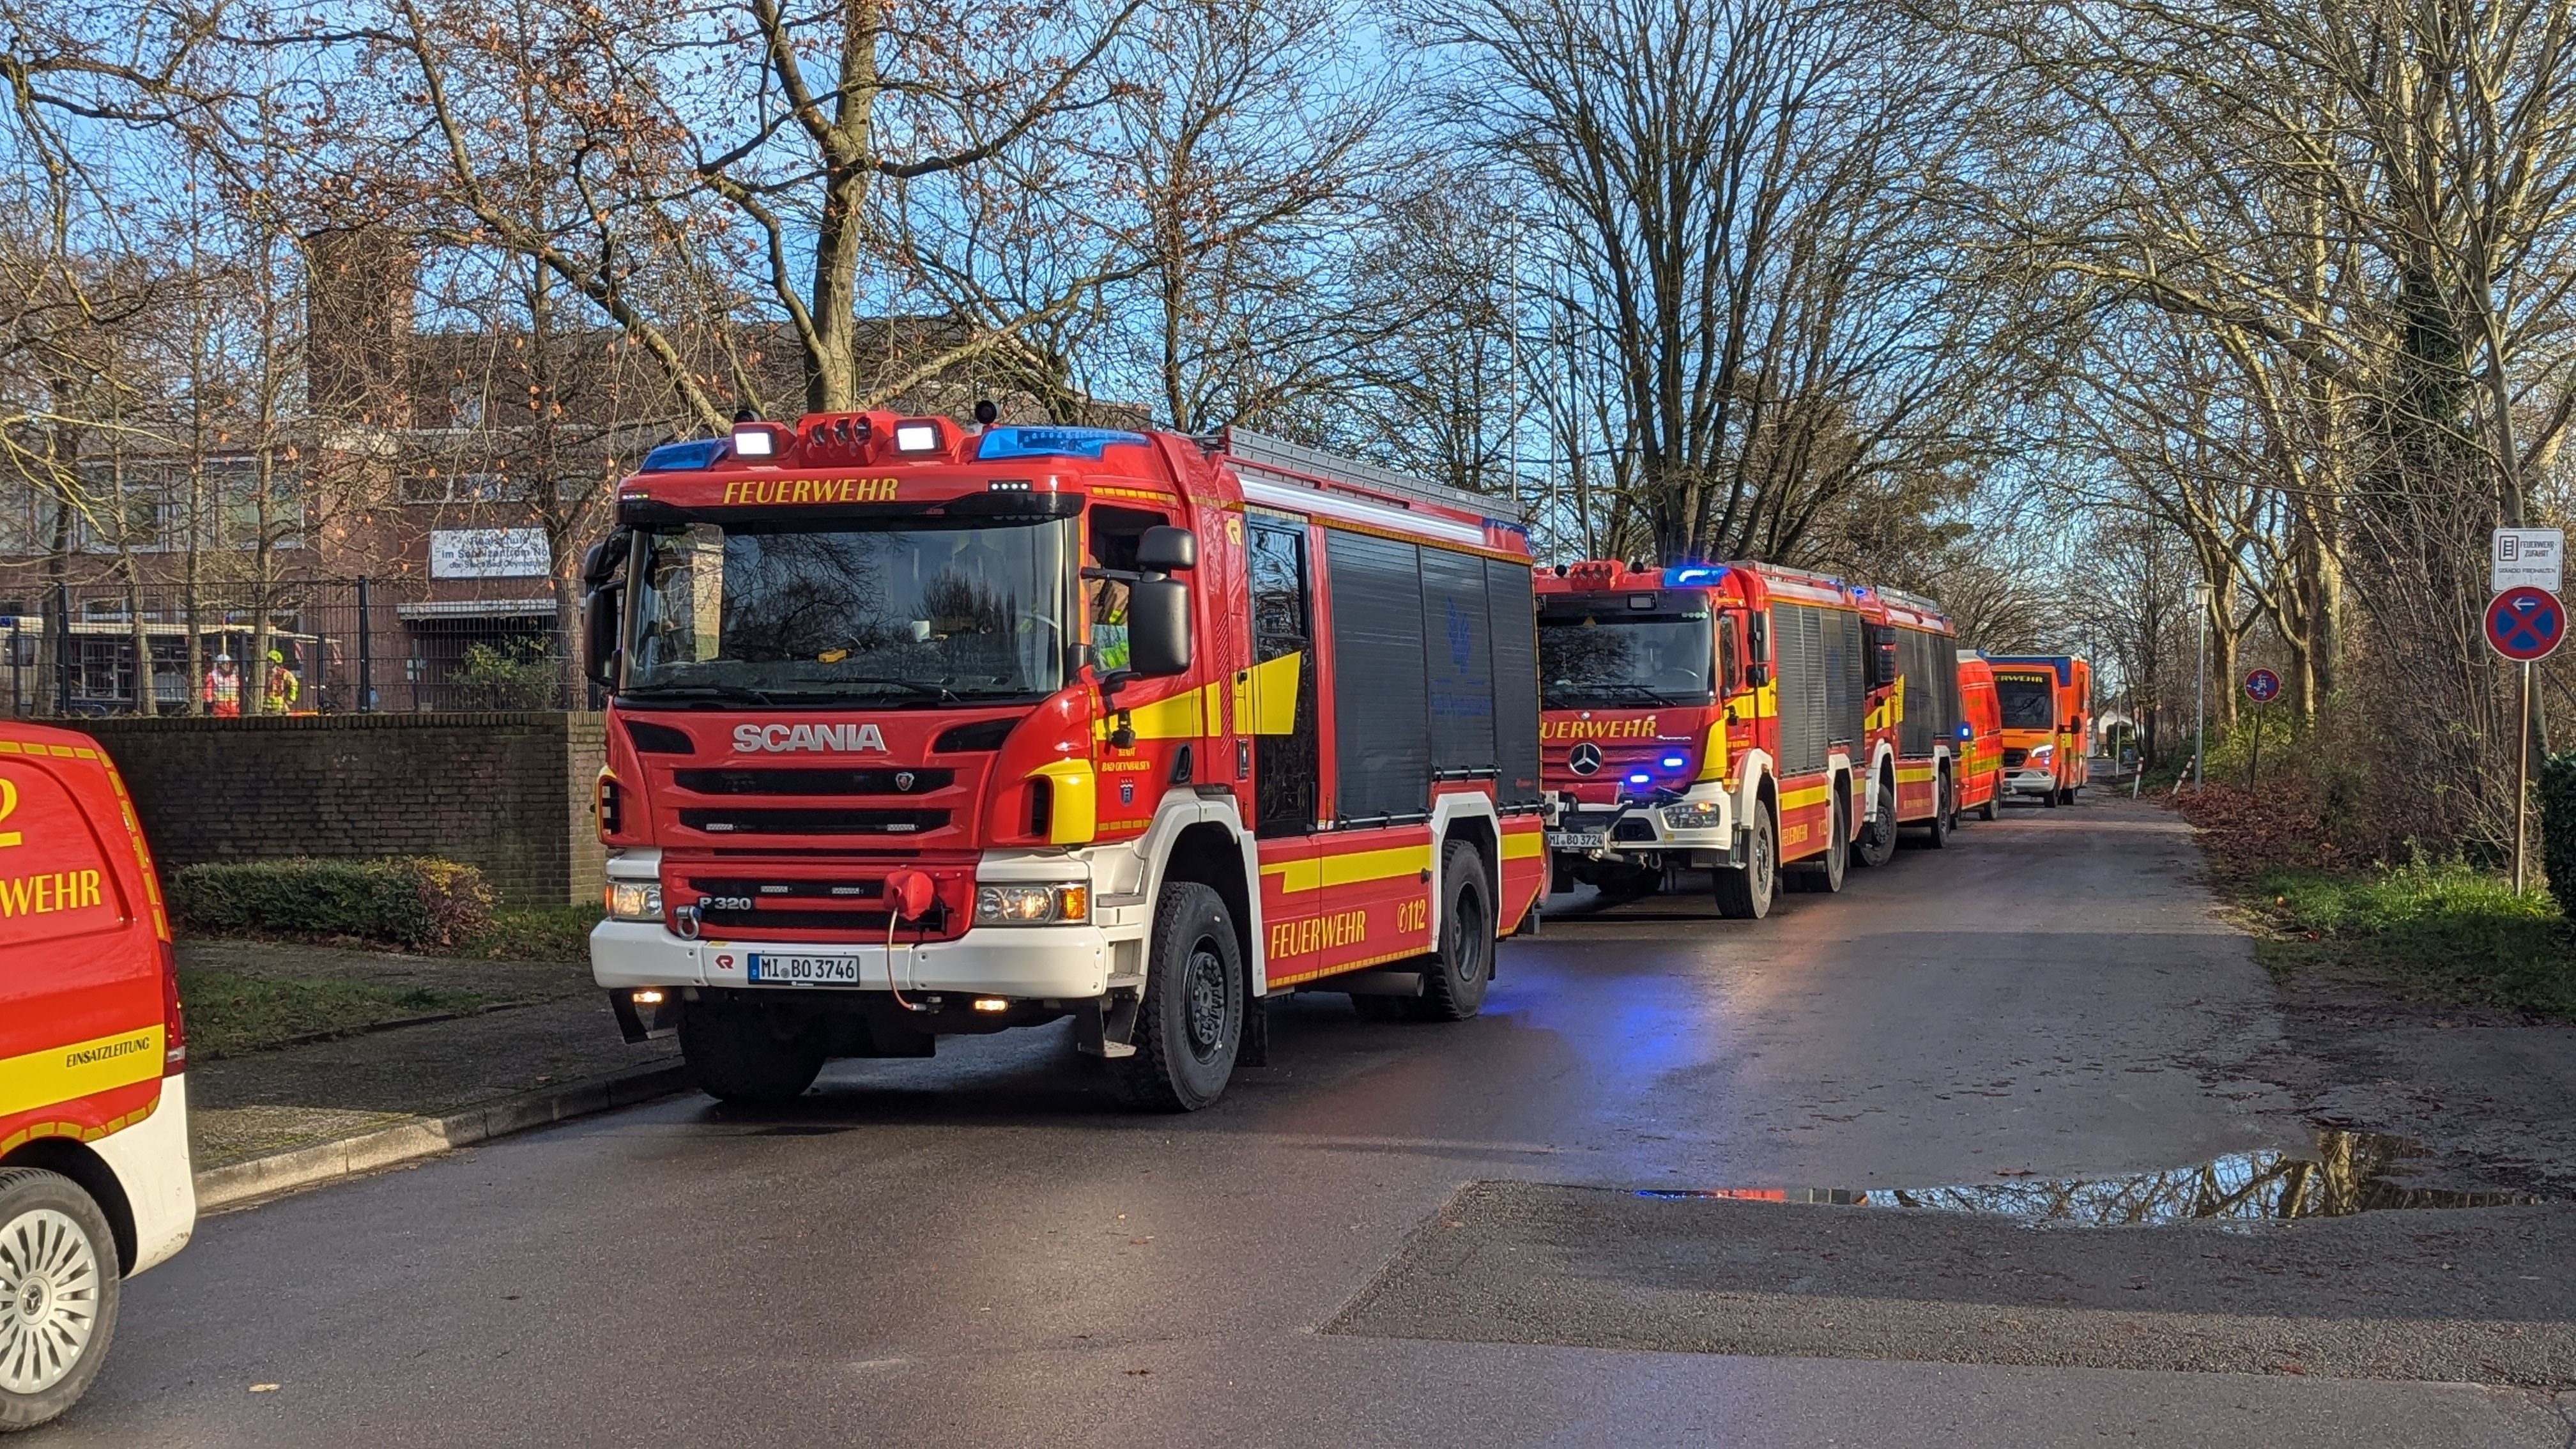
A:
(536, 933)
(230, 1013)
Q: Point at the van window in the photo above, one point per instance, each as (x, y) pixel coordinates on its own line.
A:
(1730, 674)
(54, 875)
(2029, 701)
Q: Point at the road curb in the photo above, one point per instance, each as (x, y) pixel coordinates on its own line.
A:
(238, 1182)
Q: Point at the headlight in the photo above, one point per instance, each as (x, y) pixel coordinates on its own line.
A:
(1695, 815)
(1036, 904)
(2043, 754)
(629, 900)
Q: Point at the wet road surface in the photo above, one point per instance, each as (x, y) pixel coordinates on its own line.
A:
(1420, 1234)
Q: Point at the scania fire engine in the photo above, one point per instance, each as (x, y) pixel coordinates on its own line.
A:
(1733, 717)
(918, 730)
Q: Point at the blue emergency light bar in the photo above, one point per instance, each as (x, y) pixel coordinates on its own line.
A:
(685, 457)
(1002, 445)
(1690, 576)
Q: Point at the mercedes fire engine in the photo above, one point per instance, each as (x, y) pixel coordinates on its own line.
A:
(918, 730)
(1732, 717)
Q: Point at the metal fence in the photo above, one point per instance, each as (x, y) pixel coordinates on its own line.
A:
(355, 646)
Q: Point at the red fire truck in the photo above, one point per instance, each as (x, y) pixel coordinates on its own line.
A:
(1921, 713)
(1981, 725)
(918, 730)
(1732, 717)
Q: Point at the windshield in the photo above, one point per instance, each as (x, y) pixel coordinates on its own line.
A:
(875, 613)
(2029, 701)
(1616, 660)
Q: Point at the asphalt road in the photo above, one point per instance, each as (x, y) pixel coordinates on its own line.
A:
(981, 1250)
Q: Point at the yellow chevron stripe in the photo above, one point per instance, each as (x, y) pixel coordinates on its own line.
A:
(1527, 845)
(1811, 795)
(1351, 867)
(61, 1073)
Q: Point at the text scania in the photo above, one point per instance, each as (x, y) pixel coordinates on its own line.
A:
(781, 739)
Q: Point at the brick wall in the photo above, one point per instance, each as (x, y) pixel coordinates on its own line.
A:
(510, 793)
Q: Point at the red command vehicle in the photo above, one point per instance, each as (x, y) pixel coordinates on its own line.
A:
(1718, 716)
(94, 1174)
(1981, 738)
(1920, 716)
(918, 730)
(2047, 702)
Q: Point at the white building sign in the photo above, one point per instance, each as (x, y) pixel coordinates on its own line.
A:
(2527, 558)
(488, 553)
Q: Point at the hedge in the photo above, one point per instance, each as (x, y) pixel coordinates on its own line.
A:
(2558, 826)
(410, 901)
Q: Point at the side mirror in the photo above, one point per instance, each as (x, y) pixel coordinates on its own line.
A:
(1882, 655)
(603, 557)
(1158, 627)
(1757, 641)
(599, 612)
(1756, 675)
(1167, 550)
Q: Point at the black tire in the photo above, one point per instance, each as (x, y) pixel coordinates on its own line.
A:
(1191, 1024)
(1878, 833)
(750, 1052)
(1745, 892)
(2050, 799)
(1455, 976)
(1993, 809)
(57, 1250)
(1944, 814)
(1380, 1008)
(1826, 876)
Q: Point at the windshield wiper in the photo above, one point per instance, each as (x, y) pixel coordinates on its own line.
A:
(939, 692)
(701, 691)
(1618, 688)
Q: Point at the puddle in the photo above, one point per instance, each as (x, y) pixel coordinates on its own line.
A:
(2350, 1172)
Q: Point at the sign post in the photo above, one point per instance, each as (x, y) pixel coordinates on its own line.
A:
(2262, 687)
(2524, 623)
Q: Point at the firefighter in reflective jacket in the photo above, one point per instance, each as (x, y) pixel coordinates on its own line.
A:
(283, 686)
(223, 688)
(1108, 624)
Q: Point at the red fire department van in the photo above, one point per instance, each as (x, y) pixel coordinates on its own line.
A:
(919, 730)
(95, 1184)
(2047, 702)
(1722, 716)
(1981, 742)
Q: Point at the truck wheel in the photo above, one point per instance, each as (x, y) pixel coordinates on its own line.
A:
(1454, 978)
(58, 1288)
(1878, 836)
(1944, 814)
(1744, 892)
(749, 1053)
(1826, 876)
(2050, 799)
(1993, 809)
(1191, 1023)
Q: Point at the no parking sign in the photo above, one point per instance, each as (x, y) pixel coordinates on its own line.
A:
(2262, 686)
(2525, 623)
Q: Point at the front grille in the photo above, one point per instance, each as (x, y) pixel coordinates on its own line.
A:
(869, 923)
(830, 890)
(814, 822)
(2014, 758)
(1633, 828)
(813, 782)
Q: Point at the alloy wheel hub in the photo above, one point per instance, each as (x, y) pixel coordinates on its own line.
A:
(49, 1287)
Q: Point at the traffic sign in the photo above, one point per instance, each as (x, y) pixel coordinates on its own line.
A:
(2524, 624)
(2526, 558)
(2262, 686)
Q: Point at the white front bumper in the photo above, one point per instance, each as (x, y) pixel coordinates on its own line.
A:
(1718, 835)
(2030, 782)
(1024, 961)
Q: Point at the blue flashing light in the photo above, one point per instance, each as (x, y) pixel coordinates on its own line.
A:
(1001, 445)
(685, 457)
(1964, 732)
(1674, 762)
(1694, 576)
(1641, 778)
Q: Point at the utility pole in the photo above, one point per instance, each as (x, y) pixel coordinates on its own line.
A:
(2200, 597)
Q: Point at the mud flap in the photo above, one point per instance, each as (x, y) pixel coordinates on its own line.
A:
(1108, 1029)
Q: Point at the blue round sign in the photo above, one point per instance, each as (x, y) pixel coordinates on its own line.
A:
(2524, 623)
(2262, 686)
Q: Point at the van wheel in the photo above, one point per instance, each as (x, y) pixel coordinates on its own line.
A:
(1993, 809)
(1944, 814)
(749, 1052)
(1878, 836)
(1744, 892)
(58, 1288)
(1191, 1023)
(2050, 799)
(1454, 978)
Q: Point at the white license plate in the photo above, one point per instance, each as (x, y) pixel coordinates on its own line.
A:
(1576, 840)
(805, 970)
